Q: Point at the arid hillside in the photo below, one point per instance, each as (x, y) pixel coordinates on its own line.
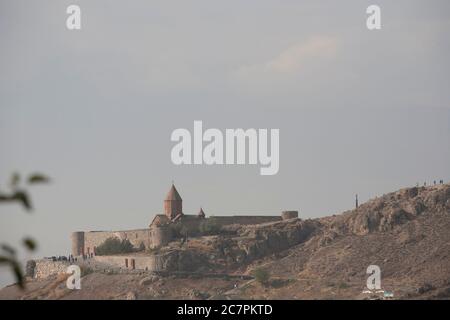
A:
(406, 233)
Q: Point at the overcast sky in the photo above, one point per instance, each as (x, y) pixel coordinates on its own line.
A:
(359, 111)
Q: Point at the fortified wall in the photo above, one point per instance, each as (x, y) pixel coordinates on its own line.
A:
(86, 243)
(43, 268)
(169, 261)
(163, 229)
(160, 231)
(244, 220)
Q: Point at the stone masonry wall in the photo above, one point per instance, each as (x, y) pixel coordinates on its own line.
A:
(46, 268)
(154, 238)
(93, 239)
(244, 220)
(149, 263)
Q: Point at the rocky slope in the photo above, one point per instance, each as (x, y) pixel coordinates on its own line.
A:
(406, 233)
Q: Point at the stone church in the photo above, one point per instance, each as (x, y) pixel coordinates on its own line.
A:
(161, 229)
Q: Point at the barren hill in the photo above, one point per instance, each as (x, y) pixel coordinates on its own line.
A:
(406, 233)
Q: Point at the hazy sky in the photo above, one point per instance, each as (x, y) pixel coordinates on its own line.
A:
(359, 111)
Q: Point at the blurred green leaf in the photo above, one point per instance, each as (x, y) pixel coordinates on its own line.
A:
(18, 273)
(19, 196)
(30, 244)
(10, 250)
(17, 270)
(38, 178)
(23, 198)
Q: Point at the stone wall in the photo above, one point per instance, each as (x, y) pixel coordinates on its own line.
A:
(160, 236)
(87, 242)
(286, 215)
(244, 220)
(166, 262)
(93, 239)
(192, 223)
(45, 268)
(77, 239)
(161, 262)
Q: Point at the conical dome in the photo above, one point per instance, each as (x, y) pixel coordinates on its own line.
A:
(173, 194)
(201, 213)
(173, 204)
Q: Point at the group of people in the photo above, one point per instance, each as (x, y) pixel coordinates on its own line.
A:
(58, 258)
(88, 256)
(434, 182)
(71, 258)
(84, 257)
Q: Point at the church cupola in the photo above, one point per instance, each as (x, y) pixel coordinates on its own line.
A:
(173, 204)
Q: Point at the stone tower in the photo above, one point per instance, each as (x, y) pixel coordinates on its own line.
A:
(77, 243)
(173, 204)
